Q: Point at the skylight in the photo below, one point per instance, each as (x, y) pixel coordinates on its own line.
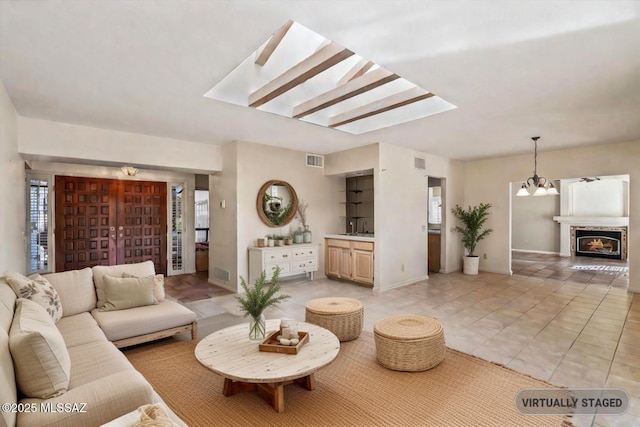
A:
(300, 74)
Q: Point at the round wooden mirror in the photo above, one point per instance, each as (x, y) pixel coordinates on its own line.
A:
(277, 203)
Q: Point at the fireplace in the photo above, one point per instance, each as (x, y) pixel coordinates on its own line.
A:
(599, 242)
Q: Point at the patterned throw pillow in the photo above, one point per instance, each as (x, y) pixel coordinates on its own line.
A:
(37, 289)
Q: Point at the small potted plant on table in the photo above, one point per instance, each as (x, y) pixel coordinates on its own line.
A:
(257, 298)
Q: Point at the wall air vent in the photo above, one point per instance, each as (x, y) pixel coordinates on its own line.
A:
(418, 163)
(220, 273)
(315, 160)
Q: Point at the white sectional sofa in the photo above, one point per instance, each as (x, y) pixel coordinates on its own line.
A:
(93, 382)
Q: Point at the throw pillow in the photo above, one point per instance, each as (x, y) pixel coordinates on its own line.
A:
(40, 357)
(153, 415)
(37, 289)
(158, 285)
(127, 292)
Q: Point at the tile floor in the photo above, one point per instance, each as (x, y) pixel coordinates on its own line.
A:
(574, 331)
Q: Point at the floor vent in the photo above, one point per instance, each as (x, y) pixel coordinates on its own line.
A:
(419, 163)
(219, 273)
(315, 160)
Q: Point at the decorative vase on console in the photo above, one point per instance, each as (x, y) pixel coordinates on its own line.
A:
(298, 237)
(306, 234)
(257, 298)
(302, 216)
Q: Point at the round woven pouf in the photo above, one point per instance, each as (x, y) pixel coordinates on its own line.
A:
(409, 343)
(342, 316)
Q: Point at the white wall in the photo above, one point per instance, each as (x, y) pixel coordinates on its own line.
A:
(603, 160)
(246, 168)
(401, 219)
(606, 197)
(12, 188)
(533, 226)
(355, 159)
(63, 142)
(223, 233)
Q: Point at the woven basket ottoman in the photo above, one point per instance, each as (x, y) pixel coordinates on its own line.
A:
(342, 316)
(409, 343)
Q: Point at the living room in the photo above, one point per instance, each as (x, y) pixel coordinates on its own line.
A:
(77, 97)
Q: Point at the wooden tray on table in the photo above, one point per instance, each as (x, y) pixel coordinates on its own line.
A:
(271, 343)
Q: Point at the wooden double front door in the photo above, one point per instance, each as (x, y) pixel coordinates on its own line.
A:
(107, 222)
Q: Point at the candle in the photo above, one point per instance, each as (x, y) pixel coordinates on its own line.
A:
(286, 332)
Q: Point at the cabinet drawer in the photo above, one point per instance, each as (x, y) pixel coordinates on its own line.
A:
(310, 264)
(339, 243)
(363, 246)
(277, 256)
(285, 267)
(304, 253)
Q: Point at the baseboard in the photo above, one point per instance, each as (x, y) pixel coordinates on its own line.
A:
(488, 270)
(225, 285)
(400, 284)
(535, 252)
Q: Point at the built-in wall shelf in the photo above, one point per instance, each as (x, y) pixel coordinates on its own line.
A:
(359, 205)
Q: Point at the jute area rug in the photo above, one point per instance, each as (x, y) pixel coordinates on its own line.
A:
(353, 391)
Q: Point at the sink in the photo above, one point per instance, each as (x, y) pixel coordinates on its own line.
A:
(357, 234)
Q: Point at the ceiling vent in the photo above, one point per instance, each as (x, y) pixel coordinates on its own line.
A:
(419, 163)
(315, 160)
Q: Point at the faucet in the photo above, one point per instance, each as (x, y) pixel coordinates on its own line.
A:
(363, 224)
(351, 224)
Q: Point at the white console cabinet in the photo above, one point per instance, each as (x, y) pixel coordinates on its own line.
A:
(292, 260)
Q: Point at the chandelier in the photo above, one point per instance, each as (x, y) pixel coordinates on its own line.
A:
(542, 186)
(129, 170)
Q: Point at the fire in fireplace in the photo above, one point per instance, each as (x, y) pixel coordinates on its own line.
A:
(600, 242)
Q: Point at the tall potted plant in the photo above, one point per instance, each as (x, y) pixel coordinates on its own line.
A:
(473, 220)
(257, 298)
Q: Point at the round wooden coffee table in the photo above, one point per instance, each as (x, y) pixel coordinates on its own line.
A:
(229, 353)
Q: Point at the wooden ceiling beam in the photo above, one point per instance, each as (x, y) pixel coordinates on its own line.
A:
(391, 102)
(263, 55)
(356, 71)
(318, 62)
(353, 88)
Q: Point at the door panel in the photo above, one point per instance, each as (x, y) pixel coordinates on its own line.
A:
(84, 215)
(142, 223)
(107, 222)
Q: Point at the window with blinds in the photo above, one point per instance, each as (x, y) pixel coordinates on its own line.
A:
(177, 227)
(435, 205)
(38, 188)
(202, 216)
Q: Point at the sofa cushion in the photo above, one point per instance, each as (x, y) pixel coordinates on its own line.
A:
(141, 269)
(80, 329)
(137, 321)
(8, 390)
(102, 400)
(40, 358)
(127, 292)
(158, 285)
(96, 360)
(37, 289)
(76, 290)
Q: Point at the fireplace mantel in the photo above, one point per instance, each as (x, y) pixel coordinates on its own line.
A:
(613, 221)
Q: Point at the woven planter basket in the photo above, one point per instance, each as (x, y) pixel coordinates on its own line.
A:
(342, 316)
(409, 343)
